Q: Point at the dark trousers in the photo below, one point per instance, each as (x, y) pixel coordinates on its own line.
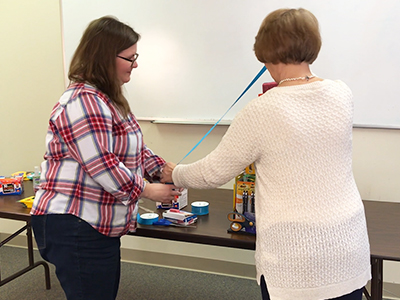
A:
(356, 295)
(88, 264)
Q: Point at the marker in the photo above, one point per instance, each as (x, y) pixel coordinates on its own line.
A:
(245, 201)
(176, 196)
(252, 199)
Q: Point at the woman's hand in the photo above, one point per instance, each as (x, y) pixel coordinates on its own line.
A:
(159, 192)
(166, 175)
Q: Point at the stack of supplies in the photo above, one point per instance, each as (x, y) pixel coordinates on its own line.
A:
(180, 217)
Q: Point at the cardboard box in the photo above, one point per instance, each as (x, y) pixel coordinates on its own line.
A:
(179, 203)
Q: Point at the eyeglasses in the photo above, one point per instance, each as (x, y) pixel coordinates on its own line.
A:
(135, 57)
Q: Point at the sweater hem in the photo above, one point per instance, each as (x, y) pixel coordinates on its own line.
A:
(323, 292)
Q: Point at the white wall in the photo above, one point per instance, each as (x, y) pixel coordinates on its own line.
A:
(202, 60)
(31, 81)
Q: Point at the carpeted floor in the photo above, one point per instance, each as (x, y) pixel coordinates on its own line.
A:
(138, 281)
(142, 282)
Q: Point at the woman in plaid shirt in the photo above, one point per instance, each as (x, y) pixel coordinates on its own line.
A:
(95, 165)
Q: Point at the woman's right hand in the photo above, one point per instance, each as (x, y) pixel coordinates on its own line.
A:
(166, 174)
(160, 192)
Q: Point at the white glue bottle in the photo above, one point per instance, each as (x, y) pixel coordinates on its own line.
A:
(36, 179)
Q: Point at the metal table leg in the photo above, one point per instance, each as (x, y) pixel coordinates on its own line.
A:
(32, 264)
(377, 280)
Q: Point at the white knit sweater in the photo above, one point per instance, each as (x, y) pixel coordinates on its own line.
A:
(312, 238)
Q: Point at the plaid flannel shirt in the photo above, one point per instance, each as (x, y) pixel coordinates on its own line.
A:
(95, 162)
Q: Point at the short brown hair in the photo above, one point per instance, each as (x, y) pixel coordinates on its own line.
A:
(289, 36)
(94, 59)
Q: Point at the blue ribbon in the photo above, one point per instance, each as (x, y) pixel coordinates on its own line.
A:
(263, 69)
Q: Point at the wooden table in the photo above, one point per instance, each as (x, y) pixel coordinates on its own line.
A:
(383, 220)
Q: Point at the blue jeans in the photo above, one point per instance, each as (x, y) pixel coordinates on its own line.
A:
(355, 295)
(88, 263)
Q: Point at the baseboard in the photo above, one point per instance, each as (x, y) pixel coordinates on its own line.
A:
(18, 241)
(189, 263)
(169, 260)
(390, 290)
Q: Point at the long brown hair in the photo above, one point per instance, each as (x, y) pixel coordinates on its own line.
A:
(94, 60)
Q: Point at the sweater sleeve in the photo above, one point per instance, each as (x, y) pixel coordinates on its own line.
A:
(238, 148)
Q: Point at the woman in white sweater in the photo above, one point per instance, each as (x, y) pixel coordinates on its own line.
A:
(312, 238)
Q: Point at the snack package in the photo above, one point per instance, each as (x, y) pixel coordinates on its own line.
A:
(11, 185)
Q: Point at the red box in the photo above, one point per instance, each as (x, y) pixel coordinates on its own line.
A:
(268, 85)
